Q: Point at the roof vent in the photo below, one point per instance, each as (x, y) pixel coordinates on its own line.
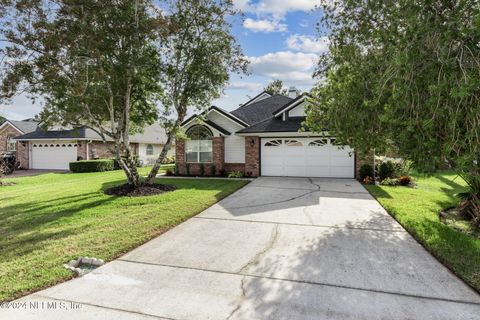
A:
(292, 92)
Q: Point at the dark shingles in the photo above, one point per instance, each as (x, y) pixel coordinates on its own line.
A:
(276, 125)
(25, 126)
(260, 110)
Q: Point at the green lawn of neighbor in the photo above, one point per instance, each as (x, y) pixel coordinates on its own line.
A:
(417, 209)
(48, 220)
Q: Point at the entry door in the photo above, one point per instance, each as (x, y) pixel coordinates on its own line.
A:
(306, 157)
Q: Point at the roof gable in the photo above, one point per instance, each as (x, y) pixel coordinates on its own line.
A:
(261, 110)
(262, 95)
(21, 126)
(292, 104)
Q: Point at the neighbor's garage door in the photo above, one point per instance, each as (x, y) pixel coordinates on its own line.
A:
(53, 155)
(306, 157)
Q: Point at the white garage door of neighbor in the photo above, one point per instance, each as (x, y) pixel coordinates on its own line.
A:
(306, 157)
(53, 155)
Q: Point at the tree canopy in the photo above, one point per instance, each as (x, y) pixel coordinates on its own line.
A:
(116, 66)
(402, 75)
(276, 87)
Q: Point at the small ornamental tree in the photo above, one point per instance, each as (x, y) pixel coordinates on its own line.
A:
(402, 75)
(196, 60)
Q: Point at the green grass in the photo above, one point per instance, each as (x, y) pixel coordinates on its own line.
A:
(47, 220)
(417, 209)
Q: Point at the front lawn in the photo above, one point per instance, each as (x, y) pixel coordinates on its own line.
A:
(418, 212)
(48, 220)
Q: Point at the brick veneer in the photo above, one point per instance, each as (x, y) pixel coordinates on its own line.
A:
(21, 148)
(216, 167)
(252, 156)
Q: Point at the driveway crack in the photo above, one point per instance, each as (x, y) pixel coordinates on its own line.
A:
(285, 200)
(251, 262)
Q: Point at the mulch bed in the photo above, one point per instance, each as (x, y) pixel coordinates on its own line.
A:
(126, 190)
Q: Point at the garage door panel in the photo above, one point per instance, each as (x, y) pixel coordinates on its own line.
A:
(306, 160)
(53, 156)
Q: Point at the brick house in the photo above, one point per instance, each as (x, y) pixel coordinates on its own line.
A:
(36, 148)
(263, 137)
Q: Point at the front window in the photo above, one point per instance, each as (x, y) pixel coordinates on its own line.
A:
(199, 147)
(149, 150)
(11, 145)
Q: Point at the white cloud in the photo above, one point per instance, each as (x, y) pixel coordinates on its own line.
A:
(251, 86)
(285, 65)
(264, 25)
(20, 108)
(307, 43)
(277, 8)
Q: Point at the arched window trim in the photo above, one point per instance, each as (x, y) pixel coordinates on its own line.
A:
(208, 134)
(199, 147)
(273, 143)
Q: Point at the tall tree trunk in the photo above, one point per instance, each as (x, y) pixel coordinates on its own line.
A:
(171, 135)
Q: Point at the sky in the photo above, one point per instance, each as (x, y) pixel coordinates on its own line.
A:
(279, 39)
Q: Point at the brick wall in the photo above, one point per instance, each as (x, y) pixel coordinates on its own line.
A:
(100, 149)
(82, 151)
(218, 156)
(216, 167)
(229, 167)
(23, 154)
(252, 156)
(21, 149)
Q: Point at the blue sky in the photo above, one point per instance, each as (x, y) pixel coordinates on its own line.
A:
(278, 37)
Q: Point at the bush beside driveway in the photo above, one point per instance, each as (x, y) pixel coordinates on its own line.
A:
(47, 220)
(417, 210)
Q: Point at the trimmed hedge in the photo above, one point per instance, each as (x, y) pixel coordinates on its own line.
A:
(92, 165)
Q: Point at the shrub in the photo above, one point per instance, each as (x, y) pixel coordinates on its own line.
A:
(390, 182)
(366, 170)
(368, 180)
(403, 168)
(235, 174)
(386, 170)
(169, 172)
(404, 180)
(169, 159)
(470, 205)
(92, 165)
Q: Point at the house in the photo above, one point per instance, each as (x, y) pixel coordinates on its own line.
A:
(261, 138)
(56, 148)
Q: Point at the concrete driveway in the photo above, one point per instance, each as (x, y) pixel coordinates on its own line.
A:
(280, 248)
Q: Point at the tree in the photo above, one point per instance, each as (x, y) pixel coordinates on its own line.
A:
(2, 120)
(94, 63)
(402, 75)
(196, 60)
(276, 87)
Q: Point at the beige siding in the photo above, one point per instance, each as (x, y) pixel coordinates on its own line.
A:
(234, 145)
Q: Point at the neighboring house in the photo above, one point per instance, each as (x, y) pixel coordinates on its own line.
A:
(55, 149)
(261, 138)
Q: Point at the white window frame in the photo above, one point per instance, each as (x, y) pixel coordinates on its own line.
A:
(149, 150)
(11, 143)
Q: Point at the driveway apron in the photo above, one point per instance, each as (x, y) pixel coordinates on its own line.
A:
(280, 248)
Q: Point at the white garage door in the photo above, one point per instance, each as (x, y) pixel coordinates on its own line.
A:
(53, 155)
(306, 157)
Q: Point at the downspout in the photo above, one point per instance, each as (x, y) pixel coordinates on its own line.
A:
(88, 151)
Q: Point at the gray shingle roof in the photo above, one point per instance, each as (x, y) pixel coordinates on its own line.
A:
(293, 124)
(261, 110)
(25, 126)
(154, 134)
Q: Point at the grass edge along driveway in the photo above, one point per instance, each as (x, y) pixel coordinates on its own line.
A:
(417, 210)
(48, 220)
